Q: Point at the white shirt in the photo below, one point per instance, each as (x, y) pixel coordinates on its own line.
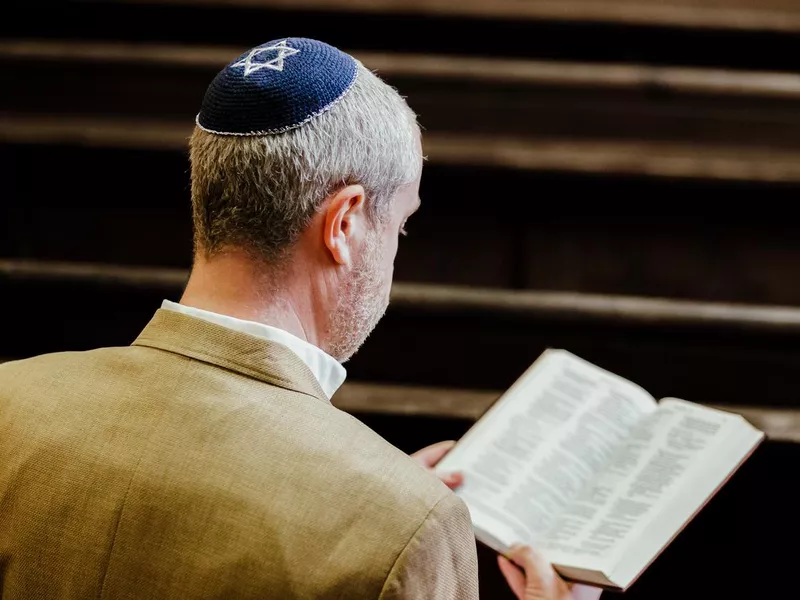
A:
(328, 371)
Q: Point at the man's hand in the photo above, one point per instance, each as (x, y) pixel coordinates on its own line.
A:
(537, 580)
(429, 457)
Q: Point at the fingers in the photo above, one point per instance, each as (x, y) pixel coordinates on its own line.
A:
(431, 455)
(514, 576)
(452, 480)
(538, 580)
(534, 565)
(541, 580)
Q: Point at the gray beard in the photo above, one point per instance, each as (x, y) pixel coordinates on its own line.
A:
(361, 306)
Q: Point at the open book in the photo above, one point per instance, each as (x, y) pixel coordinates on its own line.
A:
(591, 471)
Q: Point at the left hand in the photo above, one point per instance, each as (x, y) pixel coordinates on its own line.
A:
(429, 457)
(537, 580)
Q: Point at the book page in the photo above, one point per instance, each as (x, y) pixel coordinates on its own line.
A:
(644, 475)
(716, 444)
(541, 445)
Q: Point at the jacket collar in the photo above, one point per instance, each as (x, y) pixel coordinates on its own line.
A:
(329, 372)
(243, 353)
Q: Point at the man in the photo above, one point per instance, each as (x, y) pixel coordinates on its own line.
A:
(205, 460)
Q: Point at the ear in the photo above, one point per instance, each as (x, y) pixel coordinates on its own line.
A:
(344, 216)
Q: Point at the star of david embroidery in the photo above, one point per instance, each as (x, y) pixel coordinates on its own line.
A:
(275, 63)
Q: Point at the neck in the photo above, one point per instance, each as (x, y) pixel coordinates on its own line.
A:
(233, 284)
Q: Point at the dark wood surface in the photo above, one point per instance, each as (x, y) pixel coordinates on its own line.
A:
(617, 178)
(654, 121)
(365, 398)
(775, 15)
(748, 34)
(458, 337)
(554, 232)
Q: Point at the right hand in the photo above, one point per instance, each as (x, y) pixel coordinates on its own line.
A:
(538, 580)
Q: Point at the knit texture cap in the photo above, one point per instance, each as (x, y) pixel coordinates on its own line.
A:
(276, 87)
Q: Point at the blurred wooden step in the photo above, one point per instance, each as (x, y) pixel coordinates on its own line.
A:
(776, 15)
(773, 15)
(456, 337)
(622, 158)
(368, 398)
(504, 114)
(745, 34)
(632, 236)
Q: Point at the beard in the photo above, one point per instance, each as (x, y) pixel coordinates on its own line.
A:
(361, 305)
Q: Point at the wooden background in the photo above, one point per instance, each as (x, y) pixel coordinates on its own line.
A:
(615, 177)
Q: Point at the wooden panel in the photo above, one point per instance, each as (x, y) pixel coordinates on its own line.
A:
(449, 244)
(475, 227)
(780, 425)
(125, 206)
(205, 60)
(368, 400)
(437, 300)
(133, 207)
(578, 37)
(529, 115)
(622, 158)
(458, 337)
(701, 257)
(776, 15)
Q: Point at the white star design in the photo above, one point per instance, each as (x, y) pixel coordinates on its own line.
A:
(276, 63)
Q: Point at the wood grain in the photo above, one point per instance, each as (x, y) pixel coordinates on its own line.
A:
(769, 15)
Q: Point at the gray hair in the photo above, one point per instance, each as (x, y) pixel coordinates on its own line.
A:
(259, 193)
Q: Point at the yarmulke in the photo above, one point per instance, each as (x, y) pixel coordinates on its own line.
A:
(276, 87)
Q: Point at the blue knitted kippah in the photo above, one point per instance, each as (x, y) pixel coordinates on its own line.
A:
(276, 87)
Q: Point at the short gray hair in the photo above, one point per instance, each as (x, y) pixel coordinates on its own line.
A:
(260, 193)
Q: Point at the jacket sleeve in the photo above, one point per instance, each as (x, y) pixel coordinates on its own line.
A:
(440, 560)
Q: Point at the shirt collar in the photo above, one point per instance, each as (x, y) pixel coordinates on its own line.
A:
(328, 371)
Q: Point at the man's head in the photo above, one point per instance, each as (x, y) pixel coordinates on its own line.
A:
(307, 164)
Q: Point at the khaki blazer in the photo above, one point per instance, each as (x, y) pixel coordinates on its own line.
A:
(201, 462)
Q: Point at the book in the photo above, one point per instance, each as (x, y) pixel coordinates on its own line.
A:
(591, 471)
